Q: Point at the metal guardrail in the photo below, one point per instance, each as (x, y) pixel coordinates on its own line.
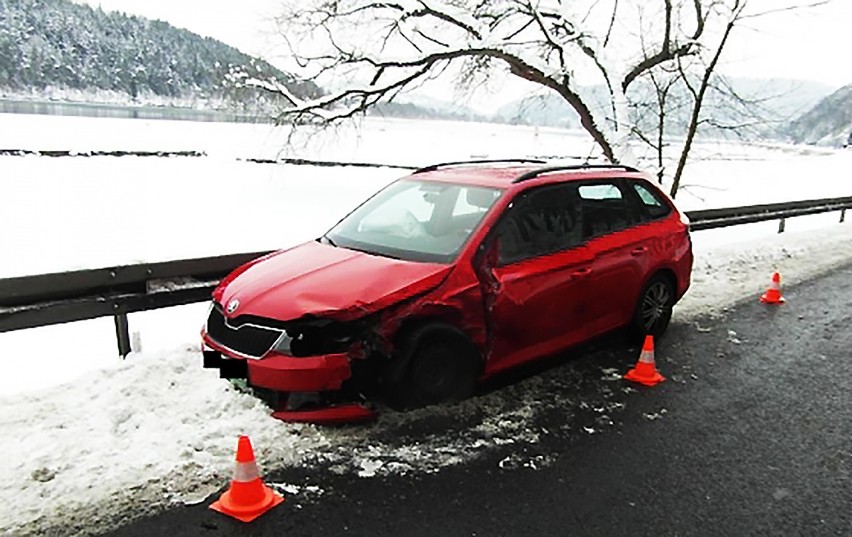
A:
(734, 216)
(46, 299)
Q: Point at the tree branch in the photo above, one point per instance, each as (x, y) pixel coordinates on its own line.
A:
(667, 51)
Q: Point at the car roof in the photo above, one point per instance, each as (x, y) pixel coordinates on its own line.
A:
(503, 176)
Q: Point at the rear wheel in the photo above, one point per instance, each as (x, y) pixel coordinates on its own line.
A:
(654, 309)
(437, 364)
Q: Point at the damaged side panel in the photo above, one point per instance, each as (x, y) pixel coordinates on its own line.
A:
(457, 303)
(535, 306)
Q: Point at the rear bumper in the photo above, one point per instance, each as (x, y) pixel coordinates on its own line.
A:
(685, 273)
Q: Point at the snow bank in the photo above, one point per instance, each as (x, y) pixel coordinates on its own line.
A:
(725, 273)
(147, 430)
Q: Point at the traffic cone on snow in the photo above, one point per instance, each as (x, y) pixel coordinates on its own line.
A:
(247, 498)
(773, 293)
(645, 371)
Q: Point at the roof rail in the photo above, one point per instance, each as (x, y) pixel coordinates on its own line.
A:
(541, 171)
(434, 167)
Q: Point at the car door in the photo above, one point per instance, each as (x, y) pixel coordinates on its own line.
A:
(619, 245)
(535, 280)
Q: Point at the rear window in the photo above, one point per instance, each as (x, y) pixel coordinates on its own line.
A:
(655, 207)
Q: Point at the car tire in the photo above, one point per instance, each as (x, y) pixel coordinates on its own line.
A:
(654, 308)
(436, 364)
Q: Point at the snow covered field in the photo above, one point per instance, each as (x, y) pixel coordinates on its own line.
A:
(86, 435)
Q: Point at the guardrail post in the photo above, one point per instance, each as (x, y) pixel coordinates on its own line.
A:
(842, 215)
(781, 224)
(122, 333)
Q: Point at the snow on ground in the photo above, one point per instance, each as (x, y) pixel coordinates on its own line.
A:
(156, 429)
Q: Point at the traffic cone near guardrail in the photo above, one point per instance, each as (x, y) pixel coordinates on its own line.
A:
(247, 498)
(645, 371)
(773, 293)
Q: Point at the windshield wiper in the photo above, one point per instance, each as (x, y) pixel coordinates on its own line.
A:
(325, 240)
(372, 252)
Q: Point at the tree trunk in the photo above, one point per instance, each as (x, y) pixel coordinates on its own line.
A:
(696, 109)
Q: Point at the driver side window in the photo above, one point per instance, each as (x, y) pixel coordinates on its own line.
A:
(540, 222)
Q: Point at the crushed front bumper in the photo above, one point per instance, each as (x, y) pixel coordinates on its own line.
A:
(288, 378)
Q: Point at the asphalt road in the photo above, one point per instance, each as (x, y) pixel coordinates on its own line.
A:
(751, 435)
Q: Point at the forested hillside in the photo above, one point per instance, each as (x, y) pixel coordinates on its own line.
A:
(828, 123)
(59, 44)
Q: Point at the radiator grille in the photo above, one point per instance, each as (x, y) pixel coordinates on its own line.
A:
(248, 340)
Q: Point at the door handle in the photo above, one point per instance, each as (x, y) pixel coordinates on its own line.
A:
(639, 251)
(581, 273)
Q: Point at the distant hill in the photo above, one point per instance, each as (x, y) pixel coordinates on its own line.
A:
(828, 123)
(542, 109)
(785, 98)
(779, 100)
(59, 44)
(415, 106)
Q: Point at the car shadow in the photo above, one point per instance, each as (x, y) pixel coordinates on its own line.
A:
(608, 350)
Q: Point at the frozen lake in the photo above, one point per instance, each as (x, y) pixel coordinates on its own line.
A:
(83, 212)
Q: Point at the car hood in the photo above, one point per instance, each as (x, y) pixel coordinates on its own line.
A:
(326, 281)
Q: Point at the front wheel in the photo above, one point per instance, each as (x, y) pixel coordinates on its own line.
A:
(654, 308)
(440, 366)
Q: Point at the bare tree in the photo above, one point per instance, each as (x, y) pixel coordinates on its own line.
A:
(697, 74)
(368, 51)
(380, 48)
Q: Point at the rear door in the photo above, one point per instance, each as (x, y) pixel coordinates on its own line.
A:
(618, 243)
(536, 285)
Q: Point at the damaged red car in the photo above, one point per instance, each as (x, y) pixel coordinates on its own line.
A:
(446, 277)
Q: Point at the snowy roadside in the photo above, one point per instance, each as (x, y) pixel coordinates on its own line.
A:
(725, 272)
(157, 430)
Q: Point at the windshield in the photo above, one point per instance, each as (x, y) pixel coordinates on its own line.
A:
(415, 220)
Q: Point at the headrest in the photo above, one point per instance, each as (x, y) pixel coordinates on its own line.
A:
(481, 197)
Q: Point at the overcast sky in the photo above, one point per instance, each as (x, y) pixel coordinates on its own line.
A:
(811, 44)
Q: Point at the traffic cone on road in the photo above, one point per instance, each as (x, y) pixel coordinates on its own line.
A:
(645, 371)
(247, 498)
(773, 293)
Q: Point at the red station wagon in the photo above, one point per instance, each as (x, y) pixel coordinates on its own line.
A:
(446, 277)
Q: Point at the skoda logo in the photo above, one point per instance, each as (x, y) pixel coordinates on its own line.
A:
(232, 306)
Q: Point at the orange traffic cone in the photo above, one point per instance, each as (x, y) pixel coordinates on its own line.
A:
(773, 293)
(247, 498)
(645, 371)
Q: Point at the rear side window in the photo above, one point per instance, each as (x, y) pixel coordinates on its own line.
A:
(606, 208)
(654, 206)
